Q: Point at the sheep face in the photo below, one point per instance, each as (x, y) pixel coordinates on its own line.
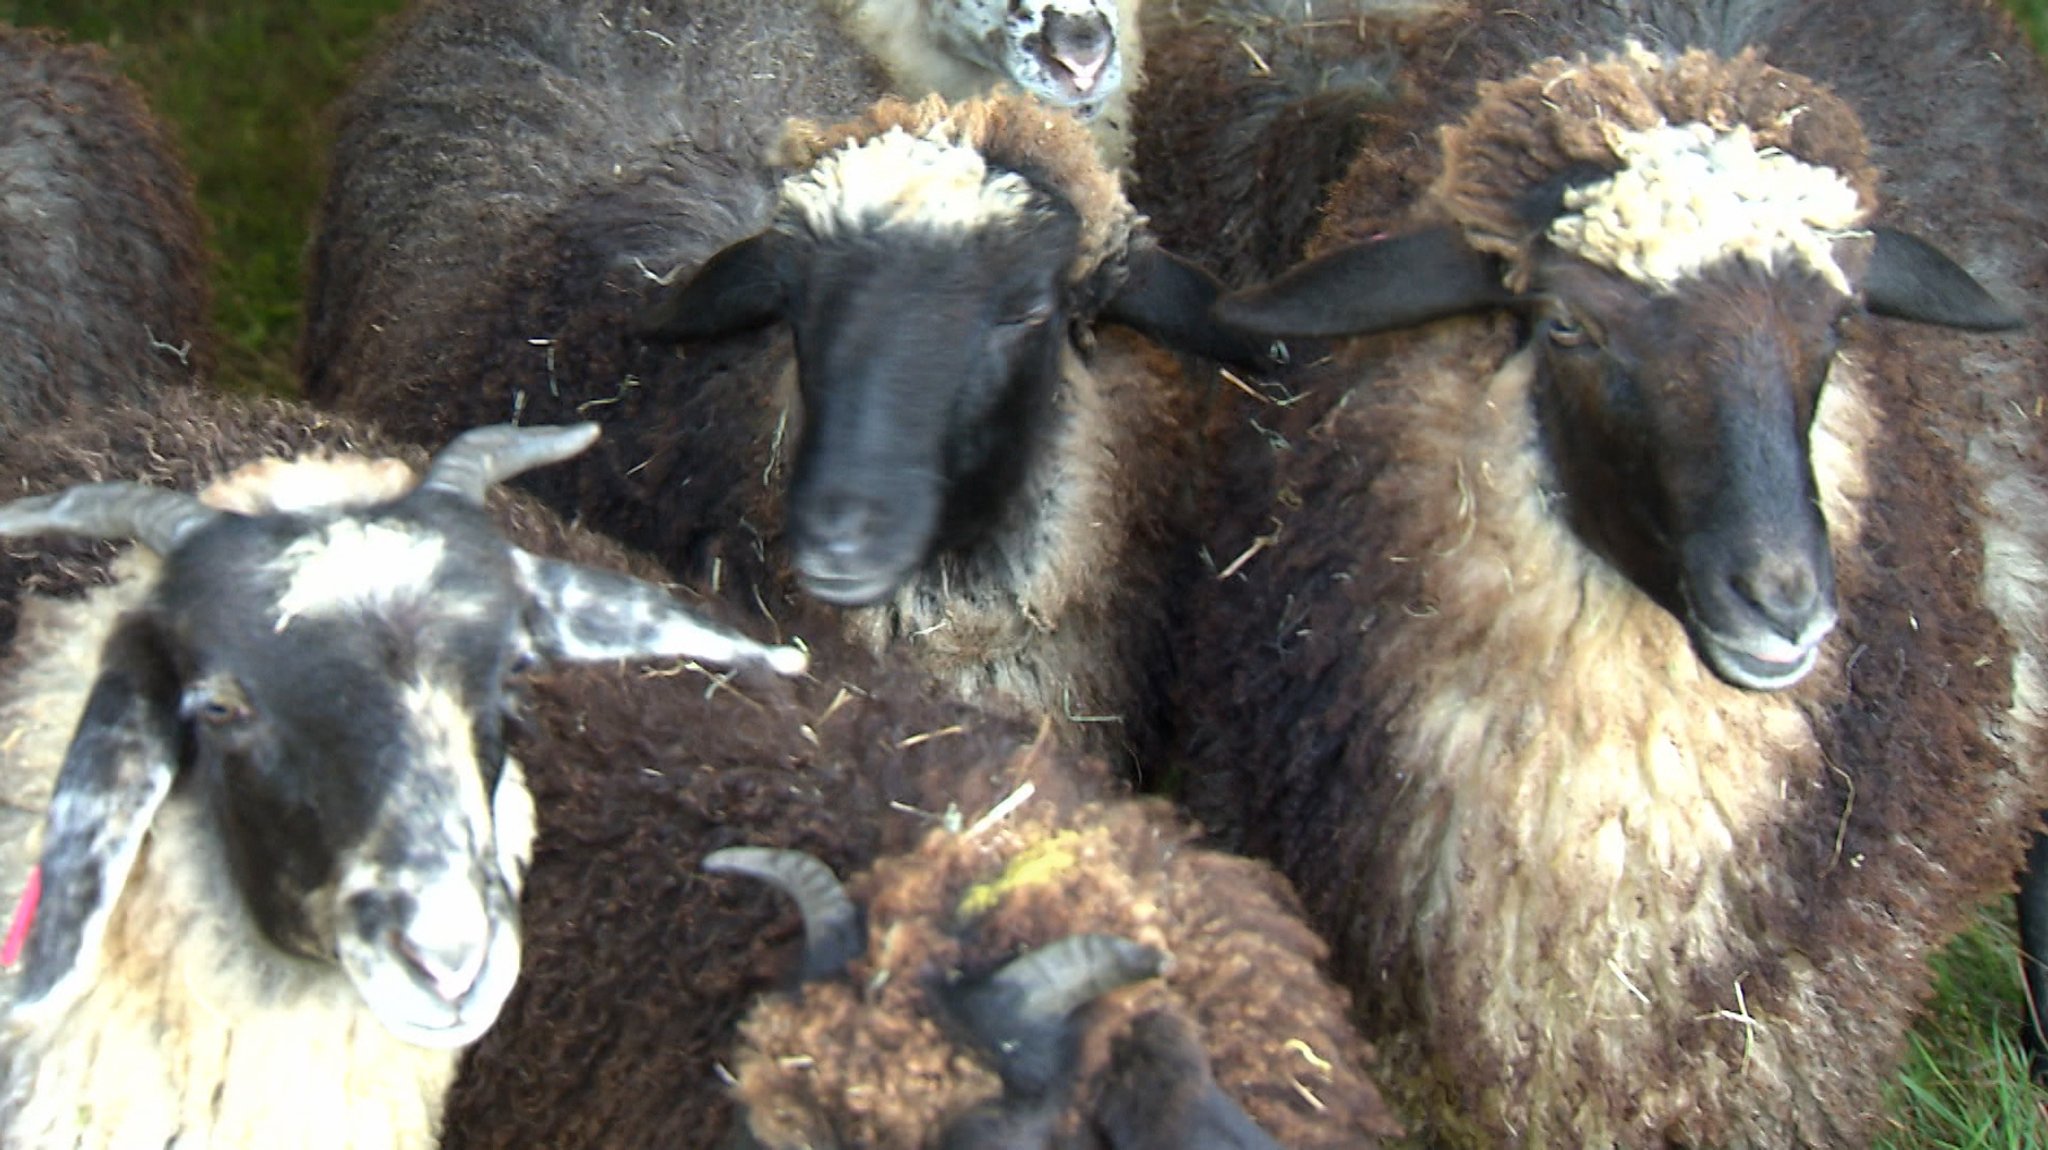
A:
(347, 735)
(926, 368)
(1067, 53)
(1677, 424)
(927, 296)
(330, 690)
(1679, 378)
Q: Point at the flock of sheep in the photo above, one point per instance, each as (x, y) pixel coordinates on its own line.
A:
(1394, 572)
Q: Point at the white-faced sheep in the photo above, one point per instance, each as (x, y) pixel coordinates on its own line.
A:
(1084, 55)
(916, 322)
(283, 857)
(1644, 674)
(974, 843)
(102, 272)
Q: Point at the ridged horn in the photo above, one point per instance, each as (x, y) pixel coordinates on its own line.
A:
(833, 931)
(1019, 1012)
(483, 457)
(151, 516)
(1061, 977)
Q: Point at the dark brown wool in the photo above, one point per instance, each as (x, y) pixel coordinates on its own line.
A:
(103, 290)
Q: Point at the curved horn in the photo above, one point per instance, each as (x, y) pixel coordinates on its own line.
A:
(1061, 977)
(1019, 1012)
(833, 931)
(151, 516)
(484, 456)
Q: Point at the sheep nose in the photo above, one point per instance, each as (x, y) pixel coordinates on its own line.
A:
(841, 525)
(1786, 592)
(448, 968)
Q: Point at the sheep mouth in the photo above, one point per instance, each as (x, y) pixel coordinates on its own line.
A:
(437, 1013)
(842, 589)
(1769, 665)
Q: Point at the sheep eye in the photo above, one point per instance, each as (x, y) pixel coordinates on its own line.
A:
(1565, 333)
(215, 710)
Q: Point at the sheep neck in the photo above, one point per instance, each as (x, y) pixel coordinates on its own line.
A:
(1574, 732)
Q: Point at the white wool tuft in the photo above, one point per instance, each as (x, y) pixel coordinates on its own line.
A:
(1690, 197)
(898, 180)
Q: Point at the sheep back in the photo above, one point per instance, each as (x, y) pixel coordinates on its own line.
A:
(103, 289)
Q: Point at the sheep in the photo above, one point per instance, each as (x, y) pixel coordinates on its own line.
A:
(1254, 109)
(103, 290)
(972, 839)
(1531, 690)
(997, 486)
(284, 849)
(1084, 55)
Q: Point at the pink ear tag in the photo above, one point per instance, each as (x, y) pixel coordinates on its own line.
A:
(24, 916)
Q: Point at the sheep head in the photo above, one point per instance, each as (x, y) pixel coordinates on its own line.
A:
(1068, 53)
(330, 688)
(1028, 1018)
(1687, 235)
(936, 264)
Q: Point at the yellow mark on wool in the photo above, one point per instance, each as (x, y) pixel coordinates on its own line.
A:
(1038, 864)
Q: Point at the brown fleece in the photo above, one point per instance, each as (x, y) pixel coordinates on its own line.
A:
(869, 1060)
(103, 287)
(1720, 936)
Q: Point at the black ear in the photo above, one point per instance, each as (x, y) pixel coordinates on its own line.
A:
(581, 614)
(1159, 1094)
(116, 773)
(1020, 1014)
(742, 287)
(1379, 285)
(1911, 279)
(1169, 299)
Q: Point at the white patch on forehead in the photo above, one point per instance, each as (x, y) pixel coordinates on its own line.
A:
(349, 565)
(900, 180)
(1690, 197)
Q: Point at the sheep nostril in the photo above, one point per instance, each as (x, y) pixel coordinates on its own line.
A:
(1784, 592)
(448, 970)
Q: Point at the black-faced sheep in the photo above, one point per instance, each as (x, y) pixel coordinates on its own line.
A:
(1079, 54)
(284, 850)
(914, 321)
(1528, 691)
(973, 842)
(102, 272)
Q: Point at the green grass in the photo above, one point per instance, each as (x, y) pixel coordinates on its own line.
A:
(244, 83)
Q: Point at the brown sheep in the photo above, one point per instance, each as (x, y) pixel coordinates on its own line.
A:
(103, 290)
(1533, 691)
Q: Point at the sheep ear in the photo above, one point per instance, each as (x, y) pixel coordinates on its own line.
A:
(1019, 1013)
(115, 775)
(1912, 279)
(742, 287)
(584, 615)
(1379, 285)
(1159, 1093)
(1169, 299)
